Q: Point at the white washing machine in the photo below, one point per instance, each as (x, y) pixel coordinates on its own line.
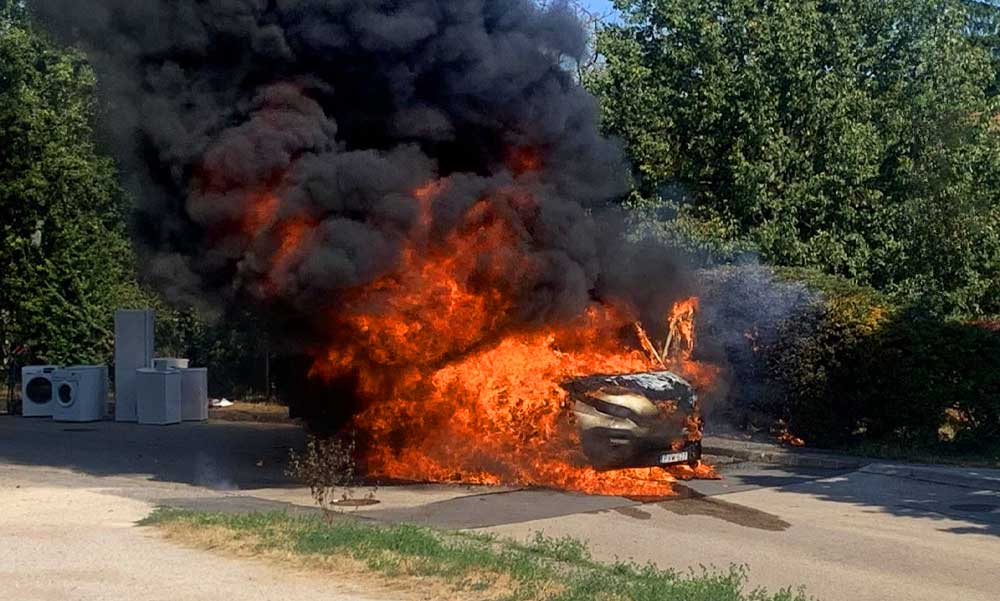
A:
(37, 394)
(81, 393)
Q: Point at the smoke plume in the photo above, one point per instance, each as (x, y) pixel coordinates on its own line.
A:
(276, 148)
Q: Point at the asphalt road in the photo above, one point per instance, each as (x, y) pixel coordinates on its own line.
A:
(851, 537)
(71, 544)
(880, 533)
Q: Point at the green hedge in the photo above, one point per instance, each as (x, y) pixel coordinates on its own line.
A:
(821, 359)
(918, 374)
(838, 363)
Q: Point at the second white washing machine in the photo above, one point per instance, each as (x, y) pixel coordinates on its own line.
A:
(81, 393)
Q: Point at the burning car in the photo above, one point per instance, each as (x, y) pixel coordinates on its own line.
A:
(417, 232)
(637, 420)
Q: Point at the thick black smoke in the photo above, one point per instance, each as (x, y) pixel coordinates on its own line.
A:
(341, 109)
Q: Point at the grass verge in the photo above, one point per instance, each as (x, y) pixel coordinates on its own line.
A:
(986, 454)
(475, 565)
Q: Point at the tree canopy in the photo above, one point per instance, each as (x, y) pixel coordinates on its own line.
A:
(855, 136)
(63, 243)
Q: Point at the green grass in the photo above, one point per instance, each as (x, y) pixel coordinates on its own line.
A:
(481, 565)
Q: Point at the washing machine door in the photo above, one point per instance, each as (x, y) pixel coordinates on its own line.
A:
(66, 393)
(39, 390)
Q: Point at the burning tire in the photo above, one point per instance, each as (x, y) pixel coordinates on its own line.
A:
(637, 420)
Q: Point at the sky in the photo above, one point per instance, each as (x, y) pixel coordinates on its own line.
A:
(599, 6)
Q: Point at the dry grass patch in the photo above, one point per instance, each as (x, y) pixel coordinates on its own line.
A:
(268, 413)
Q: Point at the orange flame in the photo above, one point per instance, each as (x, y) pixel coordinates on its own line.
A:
(524, 159)
(260, 214)
(456, 392)
(292, 234)
(680, 331)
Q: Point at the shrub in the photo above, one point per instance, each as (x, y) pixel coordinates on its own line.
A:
(838, 363)
(329, 468)
(817, 360)
(919, 372)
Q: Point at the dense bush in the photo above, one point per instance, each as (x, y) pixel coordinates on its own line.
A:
(818, 356)
(919, 372)
(838, 363)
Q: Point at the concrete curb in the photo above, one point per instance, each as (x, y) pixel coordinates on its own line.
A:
(741, 450)
(977, 478)
(779, 455)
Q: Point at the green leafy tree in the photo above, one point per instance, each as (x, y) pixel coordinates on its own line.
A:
(66, 259)
(854, 136)
(984, 31)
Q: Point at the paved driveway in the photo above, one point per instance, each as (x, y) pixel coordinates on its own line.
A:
(880, 533)
(73, 544)
(854, 537)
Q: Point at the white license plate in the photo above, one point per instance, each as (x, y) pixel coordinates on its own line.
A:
(674, 457)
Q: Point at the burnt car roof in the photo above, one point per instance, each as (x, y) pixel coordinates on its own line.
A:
(655, 385)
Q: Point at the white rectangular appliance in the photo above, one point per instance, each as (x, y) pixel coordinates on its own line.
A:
(170, 363)
(194, 394)
(81, 393)
(37, 398)
(158, 396)
(134, 342)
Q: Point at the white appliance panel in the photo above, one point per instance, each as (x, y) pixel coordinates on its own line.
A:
(134, 342)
